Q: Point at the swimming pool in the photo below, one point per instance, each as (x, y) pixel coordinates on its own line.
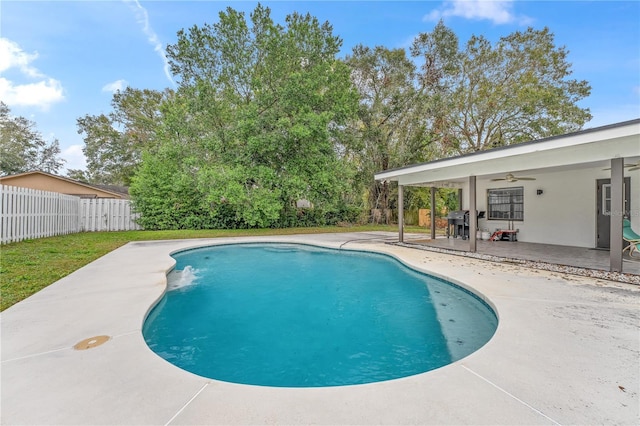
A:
(302, 316)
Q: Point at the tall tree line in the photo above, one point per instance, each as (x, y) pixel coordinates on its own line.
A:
(267, 115)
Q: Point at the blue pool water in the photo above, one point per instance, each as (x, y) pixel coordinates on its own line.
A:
(301, 316)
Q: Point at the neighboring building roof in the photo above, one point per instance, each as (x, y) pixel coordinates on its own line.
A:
(64, 185)
(122, 190)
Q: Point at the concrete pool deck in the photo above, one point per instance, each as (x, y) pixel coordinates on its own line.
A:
(566, 351)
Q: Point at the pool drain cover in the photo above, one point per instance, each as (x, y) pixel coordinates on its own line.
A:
(91, 342)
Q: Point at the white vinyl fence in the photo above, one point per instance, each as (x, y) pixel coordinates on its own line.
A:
(29, 214)
(106, 214)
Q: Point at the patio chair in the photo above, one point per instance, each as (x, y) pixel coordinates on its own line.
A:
(631, 237)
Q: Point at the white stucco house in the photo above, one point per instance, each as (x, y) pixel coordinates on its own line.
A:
(576, 189)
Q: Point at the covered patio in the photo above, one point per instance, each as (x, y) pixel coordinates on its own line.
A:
(564, 198)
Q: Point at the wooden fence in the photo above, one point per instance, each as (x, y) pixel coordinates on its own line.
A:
(29, 213)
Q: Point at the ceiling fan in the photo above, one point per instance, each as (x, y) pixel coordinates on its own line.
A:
(511, 178)
(631, 167)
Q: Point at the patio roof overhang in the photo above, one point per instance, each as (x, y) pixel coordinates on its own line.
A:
(584, 149)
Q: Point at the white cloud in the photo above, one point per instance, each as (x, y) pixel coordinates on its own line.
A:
(434, 15)
(11, 55)
(143, 19)
(115, 86)
(75, 157)
(498, 11)
(40, 94)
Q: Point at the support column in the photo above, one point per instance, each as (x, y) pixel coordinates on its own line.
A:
(459, 198)
(433, 213)
(400, 213)
(473, 215)
(617, 213)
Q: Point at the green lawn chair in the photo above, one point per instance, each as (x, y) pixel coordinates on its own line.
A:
(631, 237)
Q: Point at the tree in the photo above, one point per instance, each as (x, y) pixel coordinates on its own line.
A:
(114, 143)
(489, 96)
(22, 148)
(390, 129)
(258, 118)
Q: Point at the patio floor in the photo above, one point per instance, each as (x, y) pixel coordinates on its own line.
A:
(580, 257)
(565, 352)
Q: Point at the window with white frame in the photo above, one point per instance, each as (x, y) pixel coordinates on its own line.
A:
(606, 199)
(505, 203)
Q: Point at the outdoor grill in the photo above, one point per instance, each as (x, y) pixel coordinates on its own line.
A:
(458, 223)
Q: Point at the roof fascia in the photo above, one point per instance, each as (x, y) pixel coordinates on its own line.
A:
(63, 179)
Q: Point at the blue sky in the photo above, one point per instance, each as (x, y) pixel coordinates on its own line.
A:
(60, 60)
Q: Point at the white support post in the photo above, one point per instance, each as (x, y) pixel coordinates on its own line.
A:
(400, 214)
(473, 215)
(617, 213)
(433, 212)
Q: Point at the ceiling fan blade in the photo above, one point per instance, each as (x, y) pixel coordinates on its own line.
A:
(495, 180)
(525, 178)
(633, 166)
(637, 167)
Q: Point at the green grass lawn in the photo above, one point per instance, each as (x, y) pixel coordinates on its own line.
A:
(29, 266)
